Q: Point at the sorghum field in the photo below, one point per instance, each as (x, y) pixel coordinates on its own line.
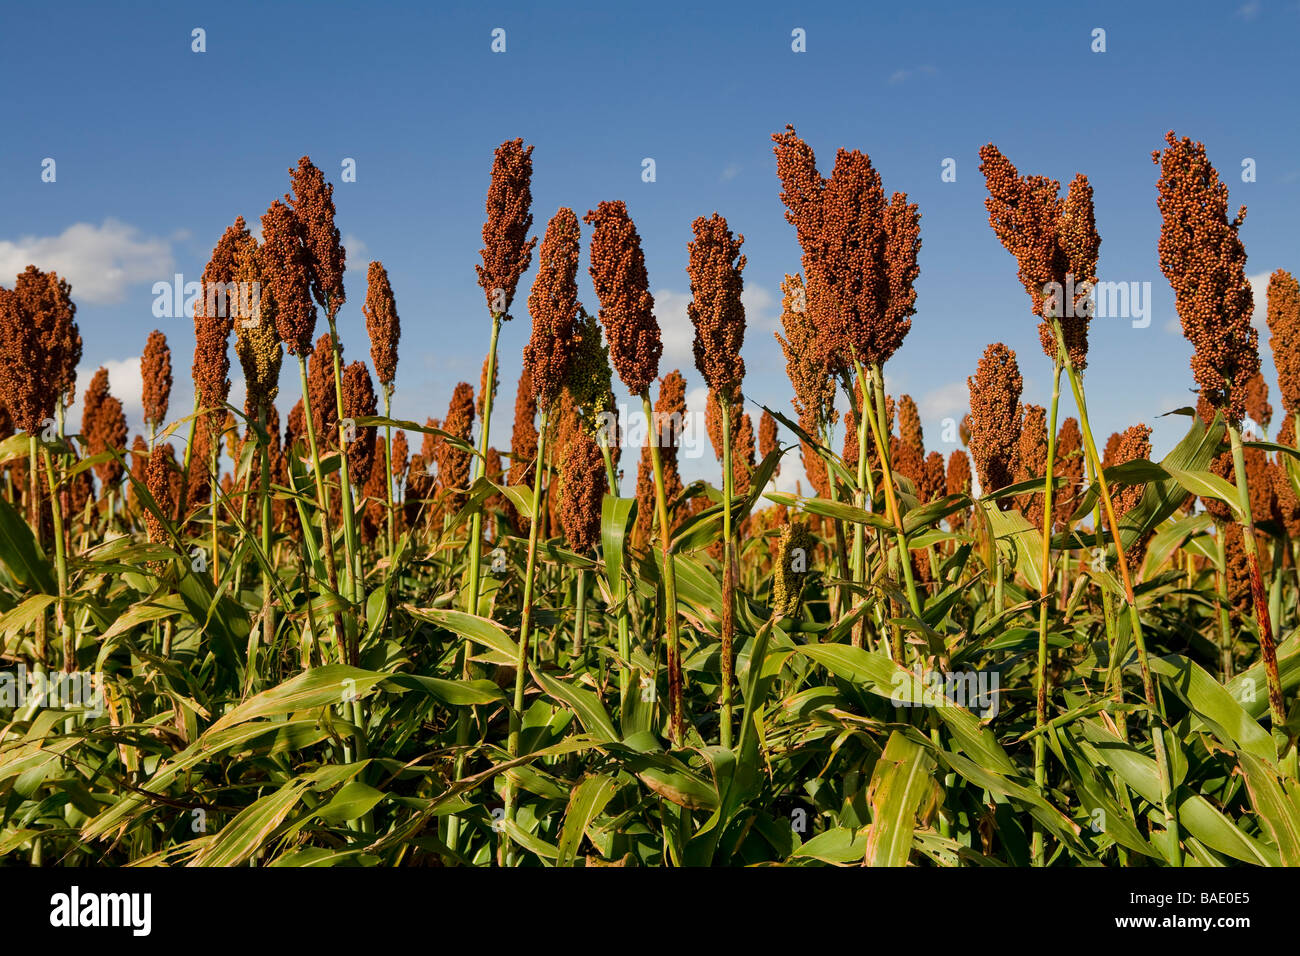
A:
(380, 642)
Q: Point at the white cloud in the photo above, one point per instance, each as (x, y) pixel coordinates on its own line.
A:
(124, 382)
(679, 335)
(951, 400)
(676, 330)
(99, 261)
(902, 76)
(357, 254)
(1259, 287)
(731, 172)
(1250, 10)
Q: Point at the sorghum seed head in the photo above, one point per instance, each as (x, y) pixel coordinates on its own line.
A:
(256, 341)
(1052, 240)
(1202, 256)
(286, 266)
(553, 303)
(626, 306)
(805, 359)
(156, 376)
(583, 483)
(767, 440)
(995, 417)
(1284, 329)
(507, 250)
(382, 323)
(104, 426)
(453, 462)
(790, 571)
(715, 309)
(359, 402)
(313, 206)
(39, 346)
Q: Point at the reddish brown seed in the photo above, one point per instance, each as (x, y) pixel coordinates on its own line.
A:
(1202, 256)
(287, 267)
(909, 424)
(859, 251)
(1069, 465)
(359, 402)
(1256, 401)
(667, 429)
(454, 462)
(767, 440)
(958, 484)
(382, 324)
(553, 304)
(626, 306)
(158, 474)
(1053, 241)
(1130, 445)
(932, 485)
(523, 437)
(742, 456)
(39, 346)
(401, 454)
(583, 483)
(104, 426)
(320, 389)
(257, 343)
(995, 417)
(715, 269)
(312, 202)
(156, 376)
(1031, 461)
(1284, 329)
(507, 250)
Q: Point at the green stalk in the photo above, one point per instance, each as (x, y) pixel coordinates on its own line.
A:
(391, 540)
(1149, 688)
(322, 503)
(355, 592)
(1040, 742)
(1267, 640)
(478, 466)
(619, 588)
(526, 618)
(61, 567)
(877, 387)
(670, 586)
(268, 605)
(1221, 582)
(580, 616)
(34, 501)
(728, 569)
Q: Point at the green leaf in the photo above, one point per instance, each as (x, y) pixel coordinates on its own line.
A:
(588, 800)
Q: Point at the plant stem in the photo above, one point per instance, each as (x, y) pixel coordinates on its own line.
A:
(526, 618)
(1267, 640)
(1149, 688)
(619, 587)
(1040, 742)
(728, 569)
(61, 566)
(322, 503)
(676, 718)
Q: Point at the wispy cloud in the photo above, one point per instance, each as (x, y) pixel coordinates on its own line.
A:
(730, 172)
(357, 254)
(1250, 10)
(903, 75)
(101, 262)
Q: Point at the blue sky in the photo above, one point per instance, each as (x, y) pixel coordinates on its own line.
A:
(158, 149)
